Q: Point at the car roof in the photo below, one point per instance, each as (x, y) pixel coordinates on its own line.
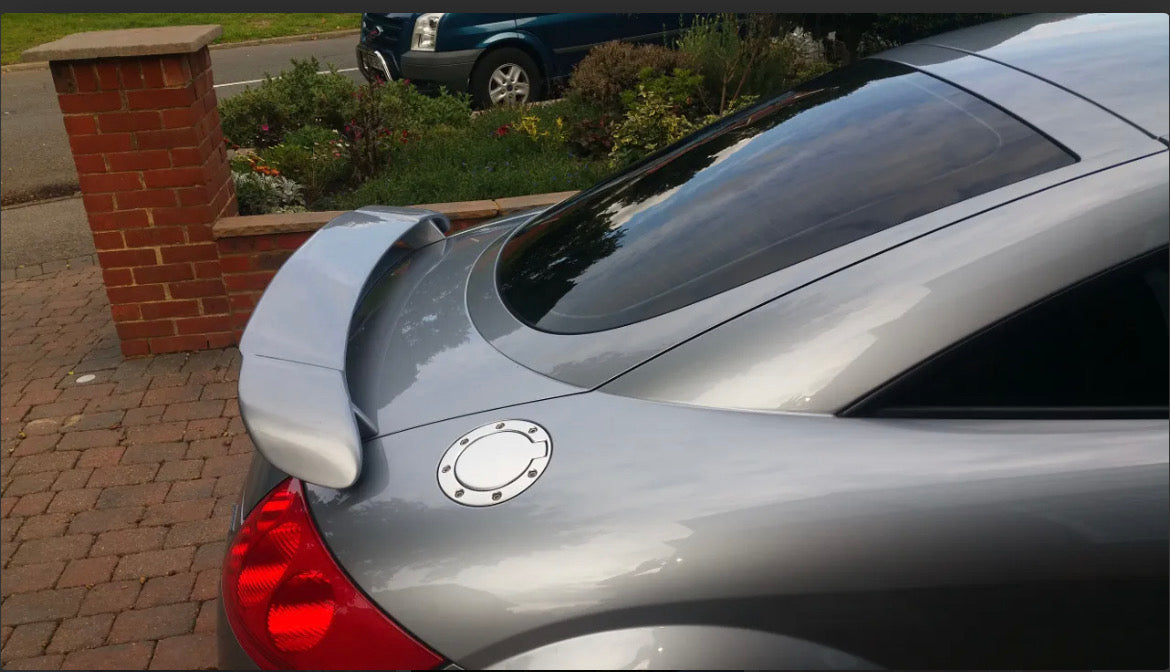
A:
(1120, 62)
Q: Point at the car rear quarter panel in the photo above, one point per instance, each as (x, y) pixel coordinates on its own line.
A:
(681, 647)
(903, 543)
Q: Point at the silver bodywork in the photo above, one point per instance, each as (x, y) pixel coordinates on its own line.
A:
(656, 514)
(706, 505)
(1106, 59)
(832, 342)
(1097, 137)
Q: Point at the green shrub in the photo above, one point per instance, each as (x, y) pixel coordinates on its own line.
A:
(259, 194)
(443, 109)
(312, 156)
(381, 116)
(592, 136)
(263, 116)
(661, 110)
(499, 153)
(611, 68)
(308, 137)
(652, 122)
(401, 106)
(680, 88)
(858, 35)
(754, 56)
(793, 58)
(626, 100)
(585, 127)
(242, 162)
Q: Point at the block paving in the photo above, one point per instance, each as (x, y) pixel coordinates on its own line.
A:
(116, 493)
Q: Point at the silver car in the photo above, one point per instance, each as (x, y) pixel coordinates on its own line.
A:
(870, 375)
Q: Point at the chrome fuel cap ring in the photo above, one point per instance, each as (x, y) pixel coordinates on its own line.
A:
(491, 464)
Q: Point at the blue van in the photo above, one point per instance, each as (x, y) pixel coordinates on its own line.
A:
(497, 58)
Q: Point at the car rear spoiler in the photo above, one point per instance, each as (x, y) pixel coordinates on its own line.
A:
(294, 398)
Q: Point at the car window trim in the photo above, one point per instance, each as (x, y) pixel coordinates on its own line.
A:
(868, 405)
(1024, 412)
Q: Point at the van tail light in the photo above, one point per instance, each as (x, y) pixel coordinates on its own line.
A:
(290, 605)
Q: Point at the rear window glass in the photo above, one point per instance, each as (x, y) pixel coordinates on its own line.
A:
(843, 156)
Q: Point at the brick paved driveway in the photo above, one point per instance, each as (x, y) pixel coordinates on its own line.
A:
(116, 492)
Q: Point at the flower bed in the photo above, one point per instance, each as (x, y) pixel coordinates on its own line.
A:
(321, 142)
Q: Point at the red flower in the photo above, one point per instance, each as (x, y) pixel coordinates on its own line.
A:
(502, 131)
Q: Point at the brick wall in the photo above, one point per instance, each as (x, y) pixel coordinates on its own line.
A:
(154, 176)
(249, 263)
(180, 270)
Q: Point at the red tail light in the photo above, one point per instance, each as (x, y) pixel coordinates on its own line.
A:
(290, 605)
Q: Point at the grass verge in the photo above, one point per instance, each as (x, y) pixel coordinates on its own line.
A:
(24, 31)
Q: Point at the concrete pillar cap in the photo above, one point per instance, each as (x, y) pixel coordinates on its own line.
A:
(126, 43)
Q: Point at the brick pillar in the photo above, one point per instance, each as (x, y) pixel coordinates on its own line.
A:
(141, 116)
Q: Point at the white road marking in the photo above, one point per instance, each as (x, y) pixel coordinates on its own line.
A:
(257, 81)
